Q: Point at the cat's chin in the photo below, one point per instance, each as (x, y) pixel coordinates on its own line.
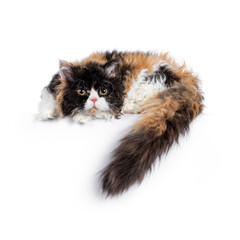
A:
(93, 110)
(90, 114)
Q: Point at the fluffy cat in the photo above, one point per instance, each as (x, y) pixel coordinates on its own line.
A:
(106, 85)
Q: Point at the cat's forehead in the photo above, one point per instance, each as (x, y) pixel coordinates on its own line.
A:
(80, 83)
(89, 76)
(89, 71)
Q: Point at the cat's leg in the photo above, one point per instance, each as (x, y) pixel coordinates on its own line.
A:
(48, 108)
(81, 117)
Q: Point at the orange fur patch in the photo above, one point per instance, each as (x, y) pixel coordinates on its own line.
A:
(94, 57)
(155, 113)
(60, 94)
(92, 110)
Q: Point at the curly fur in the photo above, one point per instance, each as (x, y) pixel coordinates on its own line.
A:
(166, 94)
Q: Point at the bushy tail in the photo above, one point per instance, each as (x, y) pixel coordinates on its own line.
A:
(165, 117)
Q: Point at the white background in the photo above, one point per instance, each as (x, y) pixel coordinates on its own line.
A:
(49, 185)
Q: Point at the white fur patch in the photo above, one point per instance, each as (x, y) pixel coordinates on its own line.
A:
(142, 90)
(82, 118)
(105, 115)
(101, 104)
(47, 107)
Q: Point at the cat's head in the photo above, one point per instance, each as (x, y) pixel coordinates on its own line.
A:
(90, 89)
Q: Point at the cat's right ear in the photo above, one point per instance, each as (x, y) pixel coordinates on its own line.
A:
(111, 68)
(65, 71)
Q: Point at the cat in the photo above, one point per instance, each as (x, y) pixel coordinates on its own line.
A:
(109, 84)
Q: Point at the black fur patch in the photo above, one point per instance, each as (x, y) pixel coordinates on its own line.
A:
(157, 76)
(55, 82)
(170, 77)
(163, 74)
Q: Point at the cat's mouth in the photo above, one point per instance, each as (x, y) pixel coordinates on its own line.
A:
(92, 110)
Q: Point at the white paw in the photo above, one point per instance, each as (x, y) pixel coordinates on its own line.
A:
(82, 118)
(45, 115)
(109, 117)
(105, 115)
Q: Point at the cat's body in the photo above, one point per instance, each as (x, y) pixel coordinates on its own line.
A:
(106, 85)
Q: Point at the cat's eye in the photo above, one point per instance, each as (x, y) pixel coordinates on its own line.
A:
(81, 92)
(103, 91)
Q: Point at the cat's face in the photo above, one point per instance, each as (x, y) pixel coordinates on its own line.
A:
(91, 89)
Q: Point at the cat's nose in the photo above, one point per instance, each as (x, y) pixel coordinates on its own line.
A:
(94, 100)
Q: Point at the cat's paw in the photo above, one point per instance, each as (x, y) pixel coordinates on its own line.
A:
(45, 115)
(104, 115)
(108, 117)
(47, 112)
(82, 118)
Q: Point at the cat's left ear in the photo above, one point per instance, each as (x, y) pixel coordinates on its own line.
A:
(111, 68)
(65, 71)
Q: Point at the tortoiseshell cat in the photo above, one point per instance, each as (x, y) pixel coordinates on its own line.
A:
(106, 85)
